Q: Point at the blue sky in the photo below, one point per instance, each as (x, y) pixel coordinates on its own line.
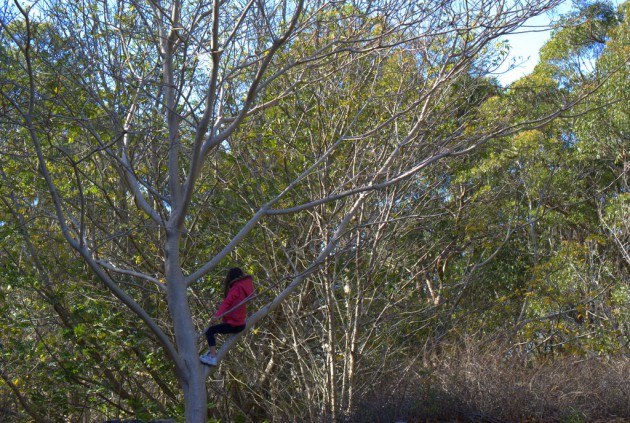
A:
(526, 43)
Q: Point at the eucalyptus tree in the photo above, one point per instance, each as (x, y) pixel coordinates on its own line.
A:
(595, 43)
(141, 120)
(547, 199)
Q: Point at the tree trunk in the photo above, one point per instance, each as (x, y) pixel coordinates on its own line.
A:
(191, 375)
(195, 398)
(331, 350)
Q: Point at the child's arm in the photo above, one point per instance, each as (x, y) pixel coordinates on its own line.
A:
(227, 303)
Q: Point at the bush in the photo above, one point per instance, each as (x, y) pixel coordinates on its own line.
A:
(475, 384)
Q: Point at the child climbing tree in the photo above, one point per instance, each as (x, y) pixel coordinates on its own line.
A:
(238, 288)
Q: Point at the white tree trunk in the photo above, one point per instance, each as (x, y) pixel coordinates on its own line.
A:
(192, 378)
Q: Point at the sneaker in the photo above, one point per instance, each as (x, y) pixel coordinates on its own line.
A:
(208, 359)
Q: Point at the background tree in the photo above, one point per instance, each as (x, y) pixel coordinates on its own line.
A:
(558, 278)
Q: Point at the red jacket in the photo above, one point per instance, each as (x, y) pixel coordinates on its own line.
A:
(240, 290)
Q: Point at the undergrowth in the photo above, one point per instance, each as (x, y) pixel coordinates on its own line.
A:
(489, 385)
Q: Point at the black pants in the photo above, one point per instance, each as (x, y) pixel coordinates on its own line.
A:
(221, 328)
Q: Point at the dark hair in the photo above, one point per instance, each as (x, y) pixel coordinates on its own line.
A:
(232, 276)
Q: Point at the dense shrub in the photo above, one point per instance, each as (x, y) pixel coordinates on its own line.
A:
(473, 384)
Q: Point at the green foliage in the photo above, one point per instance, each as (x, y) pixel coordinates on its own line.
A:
(557, 188)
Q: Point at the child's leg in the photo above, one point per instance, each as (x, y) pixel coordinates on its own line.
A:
(212, 342)
(220, 328)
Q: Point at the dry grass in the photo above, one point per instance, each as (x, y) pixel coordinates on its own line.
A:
(563, 389)
(468, 384)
